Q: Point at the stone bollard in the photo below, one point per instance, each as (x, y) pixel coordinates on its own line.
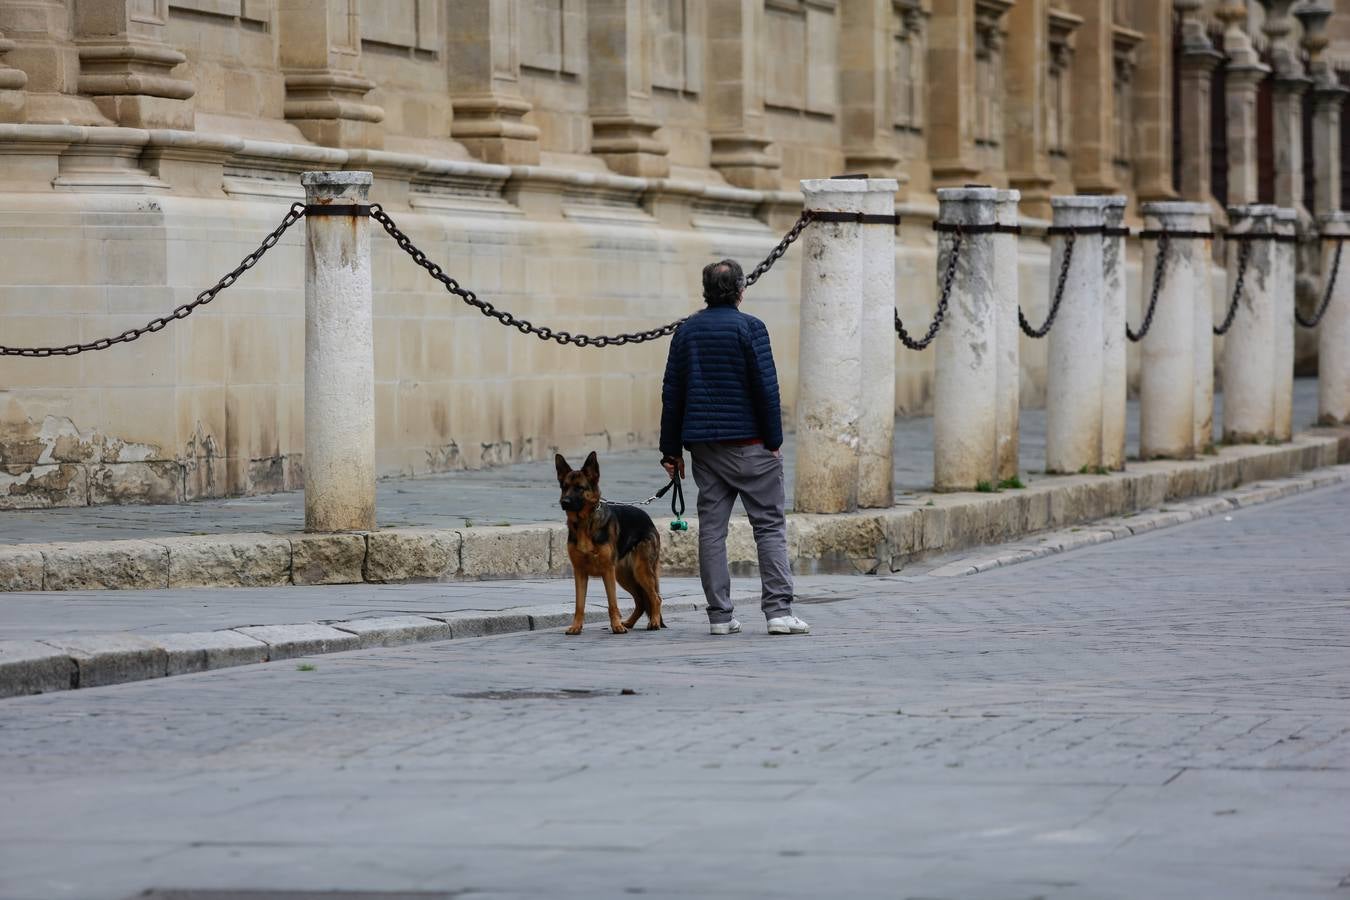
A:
(965, 381)
(339, 358)
(876, 425)
(1286, 272)
(1114, 366)
(1248, 361)
(1073, 389)
(1333, 339)
(829, 371)
(1167, 352)
(1007, 338)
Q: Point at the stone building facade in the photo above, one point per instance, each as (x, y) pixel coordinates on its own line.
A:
(575, 161)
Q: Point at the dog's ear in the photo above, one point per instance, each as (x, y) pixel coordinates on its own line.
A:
(561, 465)
(591, 468)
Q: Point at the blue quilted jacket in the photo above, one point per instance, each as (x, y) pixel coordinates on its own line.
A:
(720, 382)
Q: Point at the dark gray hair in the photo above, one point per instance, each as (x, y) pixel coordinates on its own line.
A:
(722, 283)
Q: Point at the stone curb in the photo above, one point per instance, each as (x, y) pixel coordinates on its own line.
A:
(39, 667)
(865, 542)
(35, 667)
(1113, 529)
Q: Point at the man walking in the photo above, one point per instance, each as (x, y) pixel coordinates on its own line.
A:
(720, 399)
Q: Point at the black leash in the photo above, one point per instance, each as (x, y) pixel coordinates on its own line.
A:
(676, 503)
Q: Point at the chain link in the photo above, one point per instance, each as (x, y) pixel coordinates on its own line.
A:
(1159, 266)
(922, 344)
(1064, 264)
(543, 332)
(1244, 253)
(1326, 294)
(777, 252)
(293, 215)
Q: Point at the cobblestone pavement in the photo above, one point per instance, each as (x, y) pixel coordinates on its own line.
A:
(1164, 716)
(518, 494)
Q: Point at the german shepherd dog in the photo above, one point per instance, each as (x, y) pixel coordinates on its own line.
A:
(613, 542)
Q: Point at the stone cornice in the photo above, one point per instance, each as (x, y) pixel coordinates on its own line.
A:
(270, 165)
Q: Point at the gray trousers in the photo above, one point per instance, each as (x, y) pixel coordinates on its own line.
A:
(724, 472)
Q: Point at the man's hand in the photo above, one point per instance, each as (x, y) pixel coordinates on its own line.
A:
(673, 464)
(778, 453)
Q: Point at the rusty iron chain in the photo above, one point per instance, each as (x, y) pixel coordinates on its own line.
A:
(293, 215)
(543, 332)
(1064, 264)
(1244, 253)
(958, 237)
(1326, 294)
(1159, 266)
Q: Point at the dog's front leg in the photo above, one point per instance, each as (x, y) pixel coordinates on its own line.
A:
(612, 594)
(579, 615)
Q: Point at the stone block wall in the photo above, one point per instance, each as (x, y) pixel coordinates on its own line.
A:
(576, 161)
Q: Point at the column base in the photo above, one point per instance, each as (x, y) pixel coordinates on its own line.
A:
(746, 162)
(490, 128)
(627, 146)
(329, 109)
(1036, 190)
(13, 106)
(140, 111)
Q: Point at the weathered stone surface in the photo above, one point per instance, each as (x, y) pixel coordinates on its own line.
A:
(202, 650)
(104, 659)
(21, 568)
(559, 565)
(900, 536)
(233, 560)
(476, 624)
(31, 667)
(932, 528)
(105, 565)
(389, 631)
(44, 487)
(1150, 488)
(967, 522)
(516, 551)
(679, 549)
(840, 542)
(151, 481)
(412, 554)
(327, 558)
(289, 641)
(1036, 509)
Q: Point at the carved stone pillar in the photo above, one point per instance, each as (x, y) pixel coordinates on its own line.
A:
(1152, 92)
(1328, 95)
(485, 83)
(1094, 121)
(1029, 105)
(952, 96)
(865, 87)
(1124, 63)
(44, 51)
(320, 49)
(623, 129)
(1198, 61)
(126, 66)
(735, 95)
(1242, 81)
(990, 79)
(1290, 85)
(12, 82)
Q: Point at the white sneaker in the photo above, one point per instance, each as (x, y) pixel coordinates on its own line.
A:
(732, 627)
(788, 625)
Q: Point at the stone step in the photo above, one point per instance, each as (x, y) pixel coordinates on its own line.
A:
(864, 542)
